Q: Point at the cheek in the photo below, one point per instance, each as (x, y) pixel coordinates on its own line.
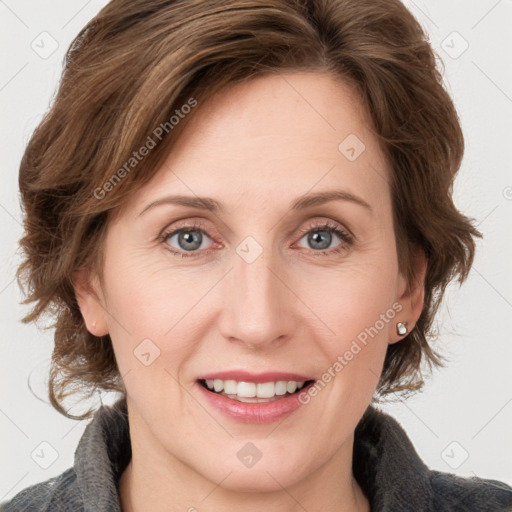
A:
(361, 317)
(152, 322)
(358, 310)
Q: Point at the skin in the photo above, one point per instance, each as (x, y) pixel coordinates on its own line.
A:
(255, 148)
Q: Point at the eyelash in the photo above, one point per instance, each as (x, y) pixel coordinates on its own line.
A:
(346, 237)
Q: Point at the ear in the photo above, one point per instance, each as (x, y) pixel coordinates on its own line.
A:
(411, 295)
(90, 300)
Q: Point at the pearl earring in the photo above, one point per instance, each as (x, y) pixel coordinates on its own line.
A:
(401, 328)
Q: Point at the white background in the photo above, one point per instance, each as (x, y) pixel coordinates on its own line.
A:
(462, 421)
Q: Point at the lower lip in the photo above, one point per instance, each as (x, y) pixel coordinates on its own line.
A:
(262, 412)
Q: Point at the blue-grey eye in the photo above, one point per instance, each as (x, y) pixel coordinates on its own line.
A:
(321, 238)
(188, 239)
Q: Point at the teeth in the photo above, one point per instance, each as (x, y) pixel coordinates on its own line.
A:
(265, 390)
(291, 387)
(280, 387)
(252, 390)
(246, 389)
(230, 387)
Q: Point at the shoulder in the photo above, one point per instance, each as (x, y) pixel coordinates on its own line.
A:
(91, 484)
(391, 473)
(56, 494)
(454, 493)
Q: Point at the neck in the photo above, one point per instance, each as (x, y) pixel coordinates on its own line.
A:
(158, 481)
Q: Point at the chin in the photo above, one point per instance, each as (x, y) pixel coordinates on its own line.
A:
(258, 481)
(268, 475)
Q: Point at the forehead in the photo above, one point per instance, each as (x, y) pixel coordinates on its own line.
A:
(272, 139)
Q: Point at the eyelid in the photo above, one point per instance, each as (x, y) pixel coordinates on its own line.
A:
(328, 223)
(183, 225)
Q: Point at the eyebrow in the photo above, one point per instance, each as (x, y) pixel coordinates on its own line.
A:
(303, 202)
(202, 203)
(309, 200)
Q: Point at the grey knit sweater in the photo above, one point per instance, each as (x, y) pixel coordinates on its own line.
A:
(386, 467)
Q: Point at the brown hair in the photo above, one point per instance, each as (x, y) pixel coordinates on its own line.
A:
(135, 66)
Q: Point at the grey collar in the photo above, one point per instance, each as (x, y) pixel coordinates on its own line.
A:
(385, 465)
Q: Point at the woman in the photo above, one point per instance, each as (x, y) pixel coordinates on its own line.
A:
(241, 214)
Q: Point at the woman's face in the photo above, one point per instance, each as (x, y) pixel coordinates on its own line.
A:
(256, 285)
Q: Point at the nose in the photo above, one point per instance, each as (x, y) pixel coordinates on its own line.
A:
(257, 304)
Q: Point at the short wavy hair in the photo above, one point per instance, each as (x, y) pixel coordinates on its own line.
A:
(135, 64)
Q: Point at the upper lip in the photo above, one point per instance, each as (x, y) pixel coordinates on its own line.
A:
(243, 376)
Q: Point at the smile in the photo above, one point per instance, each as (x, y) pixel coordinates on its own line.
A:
(251, 392)
(266, 401)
